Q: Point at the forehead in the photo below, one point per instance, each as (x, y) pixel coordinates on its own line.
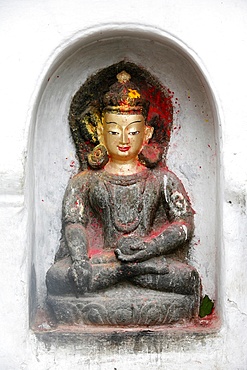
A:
(123, 119)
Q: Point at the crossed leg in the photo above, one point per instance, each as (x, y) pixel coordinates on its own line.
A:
(103, 275)
(156, 274)
(181, 278)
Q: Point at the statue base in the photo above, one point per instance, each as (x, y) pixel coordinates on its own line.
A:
(124, 305)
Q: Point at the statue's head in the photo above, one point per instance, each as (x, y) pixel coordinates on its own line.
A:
(127, 100)
(123, 130)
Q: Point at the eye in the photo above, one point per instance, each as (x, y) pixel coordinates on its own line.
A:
(134, 132)
(113, 132)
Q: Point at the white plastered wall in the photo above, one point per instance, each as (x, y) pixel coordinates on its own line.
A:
(36, 36)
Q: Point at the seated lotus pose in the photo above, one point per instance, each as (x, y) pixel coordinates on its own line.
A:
(124, 220)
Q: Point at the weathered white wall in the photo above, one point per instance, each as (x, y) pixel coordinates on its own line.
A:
(36, 36)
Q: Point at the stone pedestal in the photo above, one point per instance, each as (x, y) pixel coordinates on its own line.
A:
(124, 305)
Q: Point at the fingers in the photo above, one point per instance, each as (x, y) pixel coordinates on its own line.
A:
(122, 257)
(80, 272)
(138, 246)
(130, 257)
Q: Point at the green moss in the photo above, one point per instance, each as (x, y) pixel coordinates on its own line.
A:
(206, 306)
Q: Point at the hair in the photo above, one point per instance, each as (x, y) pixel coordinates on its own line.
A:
(124, 97)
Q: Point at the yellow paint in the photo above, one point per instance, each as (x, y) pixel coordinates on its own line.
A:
(91, 130)
(133, 94)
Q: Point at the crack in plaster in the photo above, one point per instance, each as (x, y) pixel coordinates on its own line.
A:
(235, 305)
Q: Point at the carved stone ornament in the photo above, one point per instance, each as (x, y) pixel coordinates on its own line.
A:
(127, 220)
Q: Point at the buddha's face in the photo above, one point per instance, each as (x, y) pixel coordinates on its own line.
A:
(124, 135)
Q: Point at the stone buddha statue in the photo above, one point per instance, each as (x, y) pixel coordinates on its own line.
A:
(125, 219)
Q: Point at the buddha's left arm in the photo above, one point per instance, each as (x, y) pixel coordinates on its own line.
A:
(172, 234)
(180, 215)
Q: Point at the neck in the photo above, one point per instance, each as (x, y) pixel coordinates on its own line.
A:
(124, 168)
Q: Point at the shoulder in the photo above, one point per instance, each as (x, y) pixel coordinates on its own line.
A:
(169, 181)
(165, 175)
(79, 184)
(81, 178)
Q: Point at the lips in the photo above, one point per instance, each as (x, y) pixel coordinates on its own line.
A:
(123, 148)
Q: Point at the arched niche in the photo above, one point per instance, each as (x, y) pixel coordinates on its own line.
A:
(194, 152)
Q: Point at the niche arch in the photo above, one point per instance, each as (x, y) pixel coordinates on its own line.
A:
(193, 154)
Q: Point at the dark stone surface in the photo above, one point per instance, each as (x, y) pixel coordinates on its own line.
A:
(124, 306)
(122, 259)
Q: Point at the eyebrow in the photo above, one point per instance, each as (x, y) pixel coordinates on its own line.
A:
(115, 123)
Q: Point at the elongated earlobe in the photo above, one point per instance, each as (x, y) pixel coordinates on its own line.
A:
(98, 157)
(148, 133)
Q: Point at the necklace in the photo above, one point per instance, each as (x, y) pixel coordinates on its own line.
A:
(126, 200)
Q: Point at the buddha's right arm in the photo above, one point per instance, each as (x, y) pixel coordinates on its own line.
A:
(75, 236)
(75, 209)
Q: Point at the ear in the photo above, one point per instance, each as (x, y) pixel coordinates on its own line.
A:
(148, 133)
(100, 131)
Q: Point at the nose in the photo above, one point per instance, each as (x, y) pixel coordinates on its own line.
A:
(124, 139)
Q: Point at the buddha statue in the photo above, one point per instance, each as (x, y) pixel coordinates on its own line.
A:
(124, 219)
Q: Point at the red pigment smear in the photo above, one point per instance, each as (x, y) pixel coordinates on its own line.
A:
(160, 105)
(93, 252)
(208, 319)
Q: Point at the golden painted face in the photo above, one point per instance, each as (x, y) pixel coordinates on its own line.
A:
(124, 135)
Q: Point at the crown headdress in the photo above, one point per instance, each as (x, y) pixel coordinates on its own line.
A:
(124, 96)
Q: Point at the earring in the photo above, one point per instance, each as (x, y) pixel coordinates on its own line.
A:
(98, 157)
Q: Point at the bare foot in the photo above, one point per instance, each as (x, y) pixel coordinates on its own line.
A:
(157, 265)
